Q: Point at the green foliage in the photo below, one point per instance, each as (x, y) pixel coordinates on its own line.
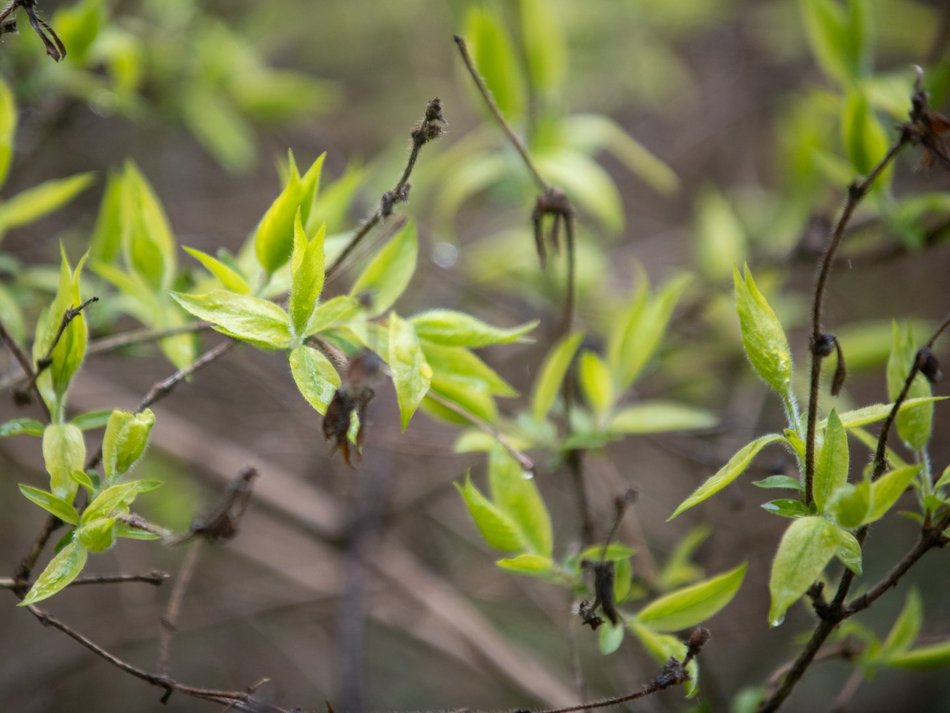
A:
(831, 470)
(763, 338)
(410, 371)
(687, 607)
(387, 275)
(124, 442)
(61, 570)
(314, 375)
(914, 423)
(807, 546)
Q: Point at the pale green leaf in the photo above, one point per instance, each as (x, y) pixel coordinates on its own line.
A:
(332, 313)
(886, 490)
(551, 375)
(831, 470)
(388, 274)
(124, 441)
(849, 550)
(496, 527)
(720, 236)
(544, 45)
(274, 239)
(245, 317)
(728, 473)
(18, 426)
(51, 503)
(147, 240)
(692, 605)
(517, 495)
(660, 417)
(91, 420)
(529, 564)
(878, 412)
(7, 129)
(61, 570)
(410, 372)
(116, 499)
(229, 278)
(461, 363)
(596, 382)
(763, 337)
(496, 61)
(64, 451)
(308, 274)
(904, 630)
(97, 535)
(457, 329)
(33, 203)
(315, 377)
(609, 637)
(806, 548)
(851, 504)
(924, 658)
(914, 423)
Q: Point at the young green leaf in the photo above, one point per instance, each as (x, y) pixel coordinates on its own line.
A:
(596, 382)
(904, 630)
(728, 473)
(274, 239)
(307, 276)
(779, 481)
(544, 45)
(124, 441)
(116, 499)
(518, 497)
(410, 372)
(473, 397)
(878, 412)
(97, 535)
(660, 417)
(838, 37)
(612, 553)
(609, 637)
(806, 547)
(315, 377)
(387, 275)
(831, 470)
(244, 317)
(551, 376)
(720, 236)
(849, 550)
(147, 240)
(679, 569)
(61, 570)
(886, 490)
(34, 203)
(18, 426)
(7, 129)
(924, 658)
(64, 451)
(457, 329)
(763, 338)
(91, 420)
(787, 507)
(229, 278)
(84, 479)
(331, 313)
(52, 504)
(914, 423)
(692, 605)
(529, 564)
(851, 504)
(864, 139)
(461, 363)
(496, 60)
(496, 527)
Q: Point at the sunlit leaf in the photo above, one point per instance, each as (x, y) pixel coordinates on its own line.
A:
(52, 504)
(694, 604)
(388, 273)
(410, 372)
(245, 317)
(61, 570)
(762, 335)
(551, 375)
(451, 328)
(315, 377)
(496, 527)
(806, 548)
(661, 417)
(831, 470)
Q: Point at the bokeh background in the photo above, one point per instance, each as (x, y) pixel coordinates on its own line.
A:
(371, 588)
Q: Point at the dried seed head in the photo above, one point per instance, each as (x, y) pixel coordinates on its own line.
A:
(928, 365)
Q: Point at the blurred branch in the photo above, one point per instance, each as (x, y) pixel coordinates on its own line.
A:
(154, 577)
(169, 621)
(27, 365)
(429, 129)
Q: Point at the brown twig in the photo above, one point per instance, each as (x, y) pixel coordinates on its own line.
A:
(169, 621)
(170, 685)
(427, 130)
(154, 578)
(27, 365)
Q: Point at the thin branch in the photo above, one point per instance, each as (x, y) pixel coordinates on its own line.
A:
(496, 112)
(170, 685)
(154, 578)
(25, 568)
(856, 192)
(427, 130)
(27, 365)
(169, 621)
(844, 650)
(143, 336)
(524, 461)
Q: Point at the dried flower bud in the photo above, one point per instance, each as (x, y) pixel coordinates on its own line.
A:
(928, 365)
(822, 345)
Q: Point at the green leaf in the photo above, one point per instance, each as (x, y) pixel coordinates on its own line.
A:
(924, 658)
(308, 274)
(530, 564)
(588, 184)
(79, 26)
(728, 473)
(64, 451)
(878, 412)
(83, 478)
(97, 535)
(244, 317)
(7, 129)
(410, 372)
(806, 547)
(91, 420)
(692, 605)
(61, 570)
(473, 397)
(51, 503)
(623, 580)
(763, 338)
(849, 550)
(886, 490)
(461, 363)
(34, 203)
(451, 328)
(496, 527)
(518, 497)
(838, 37)
(720, 236)
(551, 375)
(133, 533)
(851, 504)
(639, 329)
(315, 377)
(779, 481)
(147, 240)
(332, 312)
(787, 507)
(678, 569)
(612, 553)
(660, 417)
(914, 423)
(596, 382)
(388, 274)
(124, 441)
(116, 499)
(496, 61)
(831, 470)
(229, 278)
(106, 241)
(864, 138)
(217, 123)
(609, 637)
(905, 629)
(274, 239)
(944, 478)
(18, 426)
(544, 46)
